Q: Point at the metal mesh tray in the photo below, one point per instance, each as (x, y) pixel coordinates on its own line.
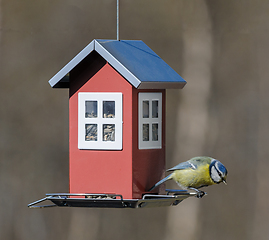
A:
(172, 198)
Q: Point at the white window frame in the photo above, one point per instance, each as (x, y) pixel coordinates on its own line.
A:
(99, 120)
(149, 96)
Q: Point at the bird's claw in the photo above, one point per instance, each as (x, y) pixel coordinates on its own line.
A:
(200, 194)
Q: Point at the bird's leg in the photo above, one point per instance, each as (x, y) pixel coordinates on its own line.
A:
(200, 193)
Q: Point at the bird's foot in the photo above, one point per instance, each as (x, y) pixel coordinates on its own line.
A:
(200, 193)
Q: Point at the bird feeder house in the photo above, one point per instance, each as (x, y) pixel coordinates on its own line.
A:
(116, 125)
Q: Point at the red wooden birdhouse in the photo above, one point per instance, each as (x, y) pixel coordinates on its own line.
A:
(116, 117)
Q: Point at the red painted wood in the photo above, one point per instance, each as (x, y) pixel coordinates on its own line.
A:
(129, 172)
(148, 164)
(102, 171)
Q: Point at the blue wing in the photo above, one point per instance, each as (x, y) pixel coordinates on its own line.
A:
(183, 165)
(160, 182)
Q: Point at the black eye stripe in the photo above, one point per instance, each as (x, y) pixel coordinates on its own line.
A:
(219, 173)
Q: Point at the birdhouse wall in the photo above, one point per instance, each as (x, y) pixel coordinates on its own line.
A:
(148, 164)
(130, 171)
(100, 171)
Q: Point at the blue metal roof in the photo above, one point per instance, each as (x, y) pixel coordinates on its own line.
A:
(133, 59)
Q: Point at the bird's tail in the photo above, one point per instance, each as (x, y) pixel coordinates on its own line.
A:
(160, 182)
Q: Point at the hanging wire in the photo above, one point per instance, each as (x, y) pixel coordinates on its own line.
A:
(118, 20)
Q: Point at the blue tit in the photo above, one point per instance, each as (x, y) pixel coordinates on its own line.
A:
(196, 173)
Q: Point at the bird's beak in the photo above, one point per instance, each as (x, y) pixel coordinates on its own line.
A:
(223, 180)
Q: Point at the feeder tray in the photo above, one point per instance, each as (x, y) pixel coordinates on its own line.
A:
(173, 198)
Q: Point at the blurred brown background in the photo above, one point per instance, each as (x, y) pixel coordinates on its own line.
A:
(220, 47)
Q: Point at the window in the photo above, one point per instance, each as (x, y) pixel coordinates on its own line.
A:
(100, 121)
(150, 120)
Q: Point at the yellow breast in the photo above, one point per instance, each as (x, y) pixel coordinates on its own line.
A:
(193, 177)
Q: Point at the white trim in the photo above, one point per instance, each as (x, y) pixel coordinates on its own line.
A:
(100, 121)
(150, 143)
(74, 62)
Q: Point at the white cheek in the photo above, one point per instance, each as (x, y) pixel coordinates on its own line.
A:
(214, 175)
